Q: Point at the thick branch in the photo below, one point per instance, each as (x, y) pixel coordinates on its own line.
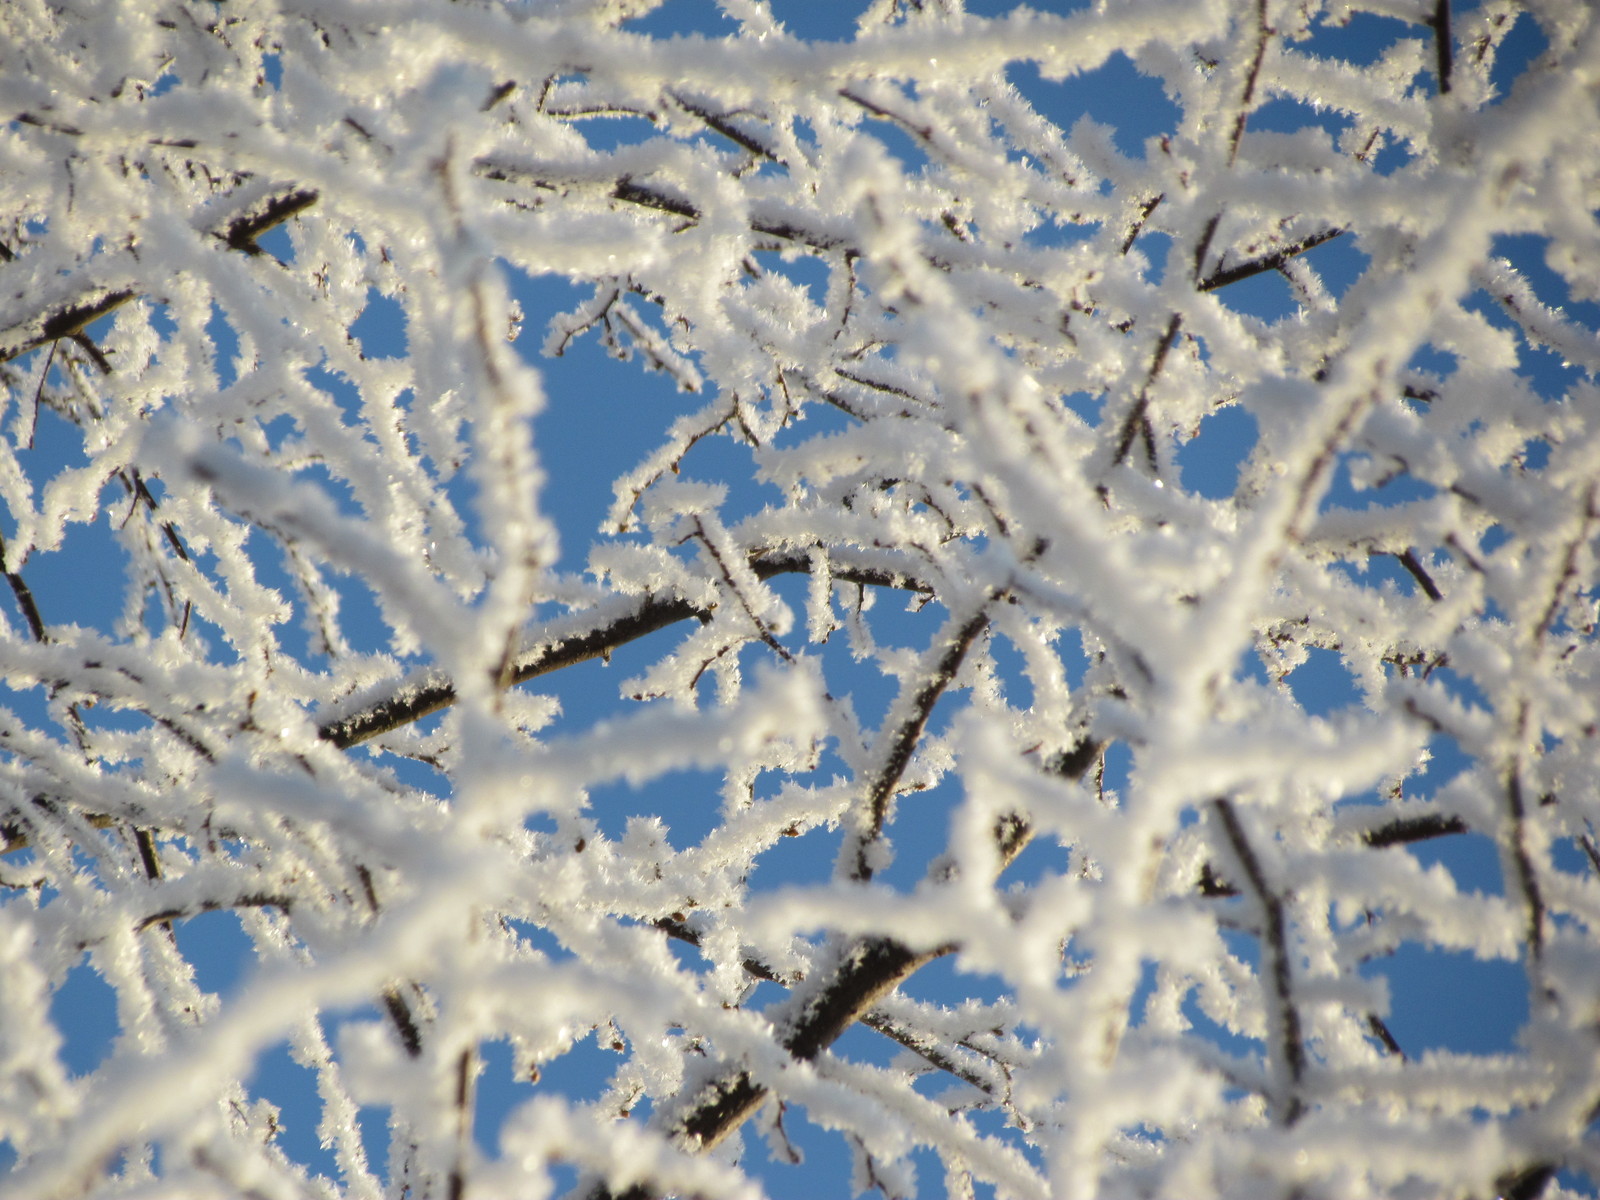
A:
(1442, 49)
(243, 232)
(815, 1018)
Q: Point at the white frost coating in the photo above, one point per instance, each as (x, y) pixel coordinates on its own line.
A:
(1174, 661)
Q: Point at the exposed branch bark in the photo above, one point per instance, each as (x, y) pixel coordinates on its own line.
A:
(818, 1013)
(1526, 1183)
(1137, 422)
(1381, 1031)
(1403, 830)
(25, 603)
(409, 701)
(1408, 559)
(721, 124)
(412, 700)
(1137, 226)
(1283, 1013)
(904, 741)
(1526, 876)
(1398, 832)
(243, 232)
(1443, 50)
(1263, 35)
(43, 328)
(927, 1047)
(1221, 278)
(71, 318)
(183, 912)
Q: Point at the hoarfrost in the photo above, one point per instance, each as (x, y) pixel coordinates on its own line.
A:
(279, 491)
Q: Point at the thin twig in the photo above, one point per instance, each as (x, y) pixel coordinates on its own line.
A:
(1381, 1031)
(25, 602)
(239, 234)
(1263, 34)
(1145, 209)
(1281, 1008)
(1527, 878)
(1267, 262)
(410, 701)
(1408, 560)
(1137, 421)
(720, 123)
(820, 1011)
(244, 232)
(1405, 830)
(166, 916)
(904, 740)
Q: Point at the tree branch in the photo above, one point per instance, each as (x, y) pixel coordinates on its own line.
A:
(1443, 51)
(721, 124)
(1404, 830)
(412, 700)
(1221, 278)
(1281, 1008)
(44, 328)
(818, 1013)
(1137, 422)
(72, 318)
(898, 754)
(1398, 832)
(242, 232)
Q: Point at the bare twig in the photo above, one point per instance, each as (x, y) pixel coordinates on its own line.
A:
(1221, 278)
(1381, 1031)
(1408, 559)
(1137, 422)
(1263, 35)
(897, 755)
(1439, 22)
(1404, 830)
(817, 1014)
(25, 601)
(721, 124)
(241, 233)
(166, 916)
(1283, 1014)
(412, 700)
(1522, 860)
(1137, 227)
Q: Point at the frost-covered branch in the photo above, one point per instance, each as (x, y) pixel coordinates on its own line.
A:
(1284, 1023)
(69, 317)
(1091, 517)
(574, 640)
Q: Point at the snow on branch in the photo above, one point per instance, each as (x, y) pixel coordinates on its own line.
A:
(420, 427)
